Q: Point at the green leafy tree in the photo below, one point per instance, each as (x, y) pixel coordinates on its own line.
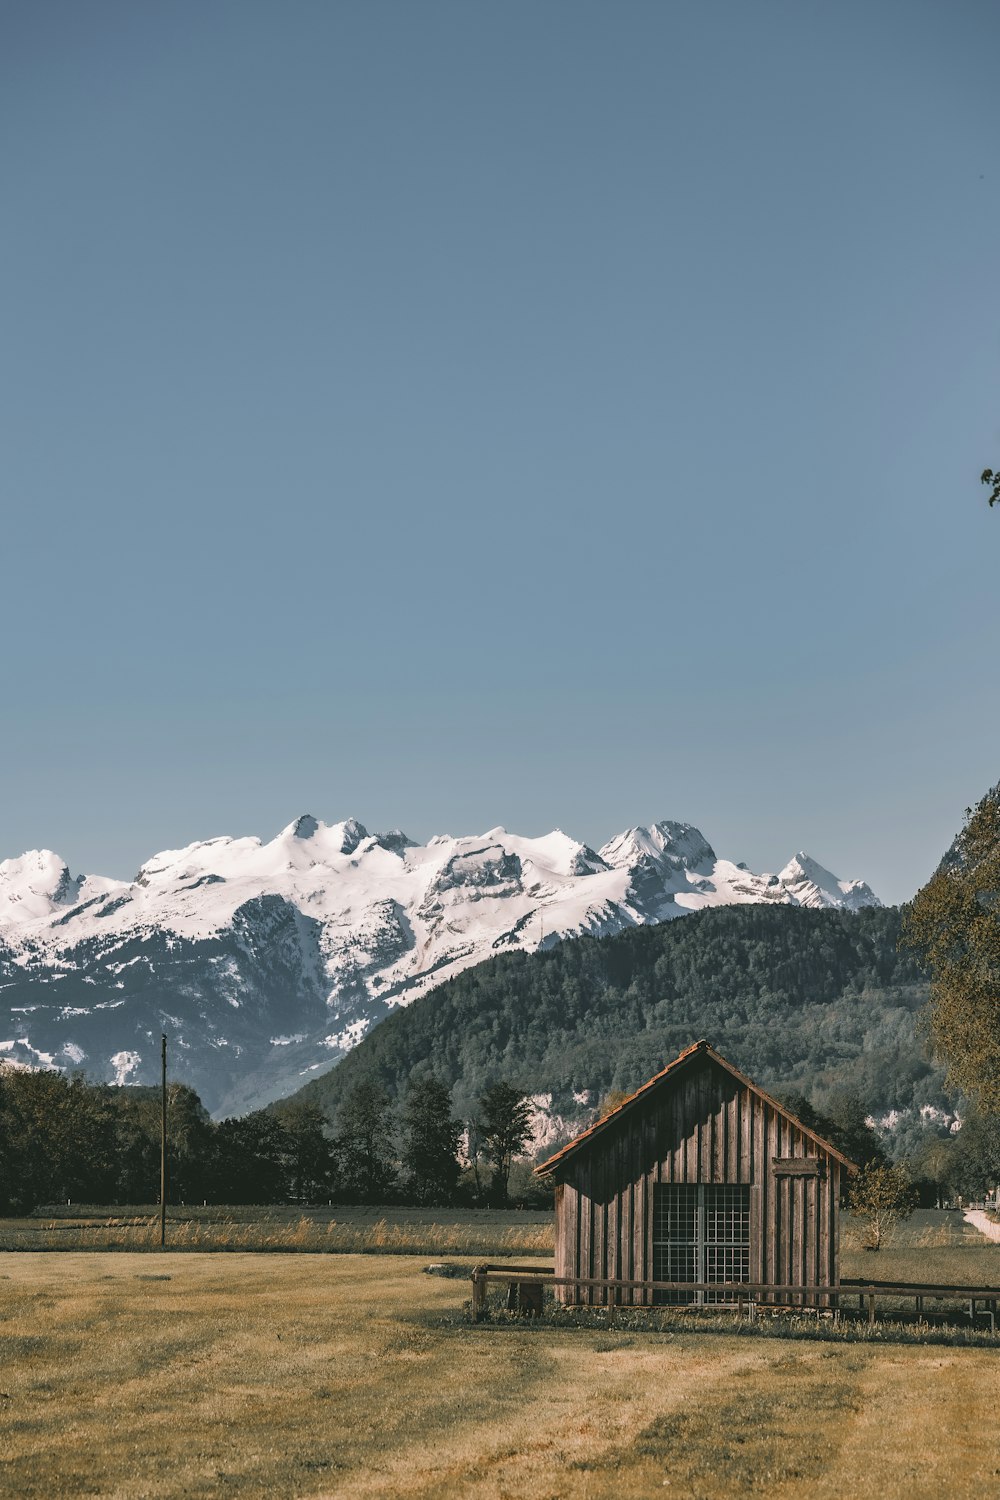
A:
(430, 1144)
(881, 1196)
(136, 1145)
(189, 1145)
(310, 1163)
(251, 1160)
(954, 922)
(504, 1118)
(57, 1139)
(974, 1167)
(933, 1168)
(992, 478)
(844, 1123)
(42, 1139)
(365, 1143)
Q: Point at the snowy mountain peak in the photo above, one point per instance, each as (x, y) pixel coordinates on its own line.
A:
(814, 885)
(394, 840)
(684, 844)
(34, 884)
(803, 867)
(38, 887)
(266, 961)
(565, 855)
(351, 833)
(680, 845)
(325, 839)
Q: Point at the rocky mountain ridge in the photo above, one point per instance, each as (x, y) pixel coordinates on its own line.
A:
(266, 962)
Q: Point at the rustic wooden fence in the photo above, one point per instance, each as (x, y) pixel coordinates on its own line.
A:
(743, 1296)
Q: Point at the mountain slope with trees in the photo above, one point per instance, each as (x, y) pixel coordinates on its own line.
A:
(811, 1001)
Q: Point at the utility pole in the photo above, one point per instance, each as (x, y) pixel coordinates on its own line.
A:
(163, 1142)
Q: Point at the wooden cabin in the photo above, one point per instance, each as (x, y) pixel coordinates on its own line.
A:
(699, 1176)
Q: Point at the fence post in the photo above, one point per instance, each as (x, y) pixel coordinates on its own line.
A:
(478, 1293)
(871, 1307)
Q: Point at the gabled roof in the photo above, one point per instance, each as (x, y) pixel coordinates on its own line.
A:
(699, 1049)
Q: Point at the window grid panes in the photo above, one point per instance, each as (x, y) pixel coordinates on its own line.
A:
(701, 1232)
(727, 1215)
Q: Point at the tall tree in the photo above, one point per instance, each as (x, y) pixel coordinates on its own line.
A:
(189, 1145)
(474, 1154)
(430, 1143)
(954, 922)
(933, 1167)
(137, 1145)
(992, 478)
(844, 1123)
(365, 1142)
(311, 1168)
(504, 1117)
(974, 1167)
(251, 1160)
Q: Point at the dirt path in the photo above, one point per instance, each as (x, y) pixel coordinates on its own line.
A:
(977, 1218)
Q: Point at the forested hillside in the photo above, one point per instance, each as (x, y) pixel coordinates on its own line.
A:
(805, 1000)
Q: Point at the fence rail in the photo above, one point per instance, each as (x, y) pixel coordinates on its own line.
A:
(744, 1294)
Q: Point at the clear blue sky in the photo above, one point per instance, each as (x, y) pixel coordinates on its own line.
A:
(545, 414)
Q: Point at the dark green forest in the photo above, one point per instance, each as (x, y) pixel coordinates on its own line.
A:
(809, 1001)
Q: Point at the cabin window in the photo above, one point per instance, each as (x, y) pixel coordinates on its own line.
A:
(701, 1232)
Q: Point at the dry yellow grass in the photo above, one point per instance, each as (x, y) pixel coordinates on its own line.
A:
(382, 1231)
(352, 1376)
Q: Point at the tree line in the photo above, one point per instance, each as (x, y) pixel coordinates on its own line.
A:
(69, 1140)
(66, 1139)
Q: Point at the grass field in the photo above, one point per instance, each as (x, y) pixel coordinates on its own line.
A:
(127, 1375)
(931, 1246)
(934, 1245)
(356, 1230)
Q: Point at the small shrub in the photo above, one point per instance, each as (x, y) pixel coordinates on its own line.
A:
(881, 1197)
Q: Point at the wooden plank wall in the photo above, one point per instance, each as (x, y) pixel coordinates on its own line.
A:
(703, 1126)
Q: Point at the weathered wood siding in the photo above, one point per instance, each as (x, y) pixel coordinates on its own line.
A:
(704, 1126)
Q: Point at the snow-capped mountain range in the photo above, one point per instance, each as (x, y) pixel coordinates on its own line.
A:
(266, 962)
